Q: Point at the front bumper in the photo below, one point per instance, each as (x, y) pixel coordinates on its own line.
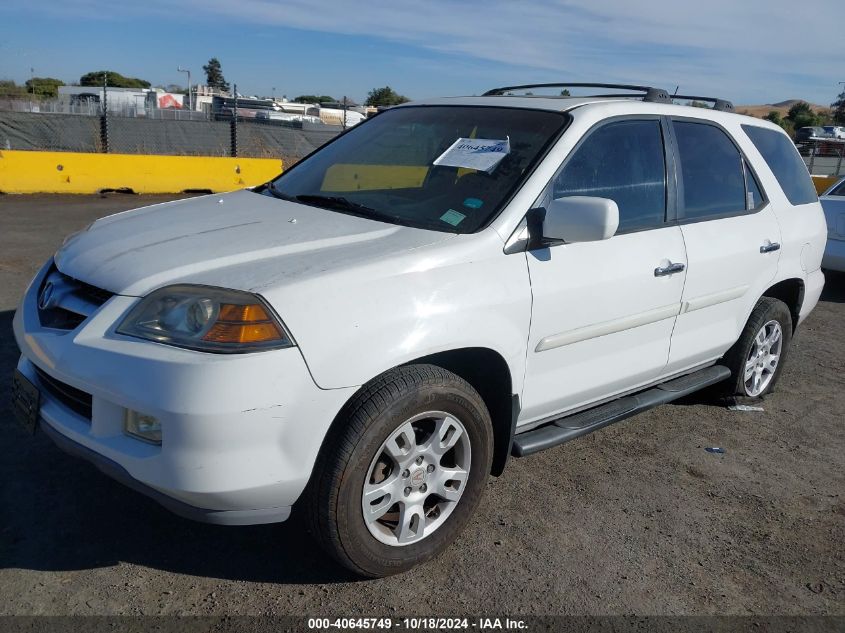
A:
(834, 255)
(240, 433)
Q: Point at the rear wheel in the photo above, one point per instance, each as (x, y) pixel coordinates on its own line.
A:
(403, 470)
(757, 359)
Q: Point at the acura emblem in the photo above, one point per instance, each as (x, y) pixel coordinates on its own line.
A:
(46, 296)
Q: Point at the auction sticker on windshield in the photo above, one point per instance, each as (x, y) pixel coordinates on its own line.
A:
(475, 153)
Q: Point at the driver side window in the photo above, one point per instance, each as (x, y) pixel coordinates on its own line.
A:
(623, 161)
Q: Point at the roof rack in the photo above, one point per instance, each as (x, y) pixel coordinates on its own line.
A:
(718, 104)
(657, 95)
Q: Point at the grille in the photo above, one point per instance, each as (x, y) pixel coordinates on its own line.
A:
(73, 398)
(95, 295)
(70, 302)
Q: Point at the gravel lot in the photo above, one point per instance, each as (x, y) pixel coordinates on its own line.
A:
(636, 519)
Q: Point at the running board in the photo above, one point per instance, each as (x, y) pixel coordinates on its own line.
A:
(572, 426)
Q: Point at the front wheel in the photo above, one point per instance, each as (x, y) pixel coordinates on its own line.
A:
(757, 359)
(402, 471)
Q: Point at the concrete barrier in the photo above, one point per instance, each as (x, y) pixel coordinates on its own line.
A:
(70, 172)
(823, 183)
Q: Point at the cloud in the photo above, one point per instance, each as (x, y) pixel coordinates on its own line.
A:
(741, 47)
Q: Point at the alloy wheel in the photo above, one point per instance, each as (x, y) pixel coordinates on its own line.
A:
(762, 361)
(416, 478)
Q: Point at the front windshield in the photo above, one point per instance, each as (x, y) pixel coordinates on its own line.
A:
(385, 169)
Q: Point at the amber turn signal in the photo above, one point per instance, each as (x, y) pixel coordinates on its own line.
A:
(243, 324)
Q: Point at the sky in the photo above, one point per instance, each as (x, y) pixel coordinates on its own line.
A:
(748, 51)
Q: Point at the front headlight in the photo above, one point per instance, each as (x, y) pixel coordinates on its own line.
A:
(206, 319)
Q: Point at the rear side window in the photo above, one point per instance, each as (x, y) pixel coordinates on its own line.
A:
(622, 161)
(712, 172)
(785, 162)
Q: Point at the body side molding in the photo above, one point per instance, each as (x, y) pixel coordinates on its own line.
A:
(608, 327)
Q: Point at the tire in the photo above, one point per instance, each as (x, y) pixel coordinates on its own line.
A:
(366, 446)
(769, 318)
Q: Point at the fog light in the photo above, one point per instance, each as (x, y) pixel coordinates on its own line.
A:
(144, 427)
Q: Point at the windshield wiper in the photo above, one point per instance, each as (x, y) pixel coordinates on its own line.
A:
(339, 203)
(336, 203)
(271, 187)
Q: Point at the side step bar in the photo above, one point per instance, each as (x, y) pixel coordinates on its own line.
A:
(572, 426)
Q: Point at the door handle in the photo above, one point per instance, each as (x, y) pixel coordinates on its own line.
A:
(671, 269)
(770, 247)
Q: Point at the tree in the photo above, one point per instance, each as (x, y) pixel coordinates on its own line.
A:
(214, 75)
(9, 88)
(802, 115)
(114, 80)
(44, 86)
(315, 99)
(386, 96)
(565, 93)
(838, 109)
(775, 117)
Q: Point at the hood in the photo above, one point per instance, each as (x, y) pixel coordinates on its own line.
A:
(240, 240)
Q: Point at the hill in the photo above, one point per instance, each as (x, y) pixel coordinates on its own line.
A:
(782, 107)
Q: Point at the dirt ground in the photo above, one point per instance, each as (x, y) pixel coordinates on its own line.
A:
(635, 519)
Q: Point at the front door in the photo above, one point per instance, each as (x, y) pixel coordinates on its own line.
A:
(603, 312)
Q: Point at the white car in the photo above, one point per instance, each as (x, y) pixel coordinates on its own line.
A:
(834, 131)
(454, 281)
(833, 203)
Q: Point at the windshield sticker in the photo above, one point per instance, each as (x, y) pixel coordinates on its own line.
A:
(473, 203)
(453, 217)
(475, 153)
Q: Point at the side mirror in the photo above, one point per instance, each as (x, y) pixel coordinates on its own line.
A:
(581, 219)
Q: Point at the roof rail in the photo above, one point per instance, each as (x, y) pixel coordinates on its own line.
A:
(721, 105)
(657, 95)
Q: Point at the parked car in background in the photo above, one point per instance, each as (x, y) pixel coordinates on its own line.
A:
(835, 131)
(833, 203)
(805, 133)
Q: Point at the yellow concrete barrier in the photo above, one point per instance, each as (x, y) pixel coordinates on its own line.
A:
(69, 172)
(823, 183)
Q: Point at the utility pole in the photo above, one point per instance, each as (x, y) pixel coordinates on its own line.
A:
(179, 69)
(234, 124)
(32, 85)
(104, 118)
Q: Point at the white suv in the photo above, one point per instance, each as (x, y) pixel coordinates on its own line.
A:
(454, 281)
(835, 131)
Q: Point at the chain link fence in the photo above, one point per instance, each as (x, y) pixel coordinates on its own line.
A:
(127, 129)
(85, 127)
(824, 157)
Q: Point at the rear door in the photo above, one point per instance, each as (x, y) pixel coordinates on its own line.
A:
(732, 240)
